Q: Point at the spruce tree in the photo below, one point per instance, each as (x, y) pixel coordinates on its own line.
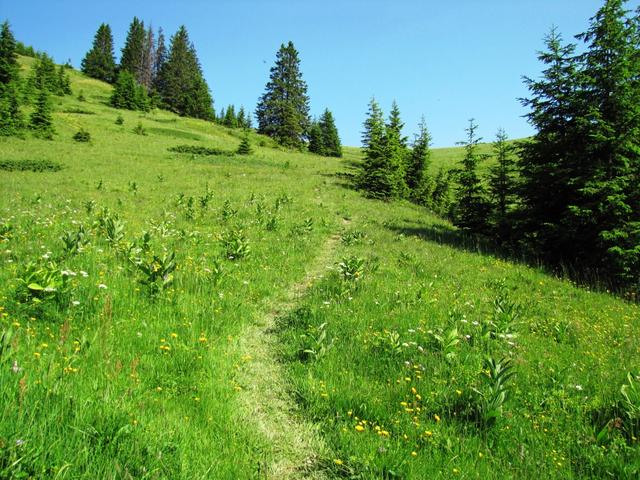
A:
(241, 120)
(133, 52)
(283, 109)
(418, 180)
(607, 212)
(316, 144)
(230, 119)
(395, 151)
(99, 62)
(11, 119)
(550, 160)
(182, 86)
(502, 184)
(41, 121)
(159, 60)
(148, 59)
(128, 94)
(331, 146)
(472, 209)
(44, 75)
(9, 67)
(380, 171)
(245, 146)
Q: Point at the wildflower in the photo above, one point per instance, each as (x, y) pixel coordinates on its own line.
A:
(337, 461)
(15, 368)
(436, 417)
(456, 471)
(75, 303)
(102, 286)
(414, 454)
(174, 335)
(359, 428)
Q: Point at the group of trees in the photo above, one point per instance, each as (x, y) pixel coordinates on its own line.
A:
(229, 118)
(15, 91)
(149, 73)
(570, 195)
(283, 109)
(391, 169)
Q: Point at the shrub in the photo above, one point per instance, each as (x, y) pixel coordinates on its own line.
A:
(30, 165)
(119, 120)
(139, 130)
(198, 150)
(82, 136)
(245, 147)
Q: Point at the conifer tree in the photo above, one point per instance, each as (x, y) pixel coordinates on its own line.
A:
(441, 197)
(99, 62)
(381, 175)
(502, 184)
(550, 160)
(330, 139)
(607, 213)
(8, 57)
(241, 120)
(395, 151)
(183, 88)
(316, 144)
(159, 59)
(44, 74)
(230, 119)
(472, 208)
(283, 109)
(128, 94)
(41, 121)
(418, 180)
(133, 52)
(64, 83)
(11, 119)
(245, 146)
(148, 59)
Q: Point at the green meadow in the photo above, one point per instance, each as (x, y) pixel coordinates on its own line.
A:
(192, 316)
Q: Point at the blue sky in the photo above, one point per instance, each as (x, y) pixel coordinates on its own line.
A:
(446, 60)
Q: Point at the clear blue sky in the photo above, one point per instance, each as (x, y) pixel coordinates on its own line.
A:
(446, 60)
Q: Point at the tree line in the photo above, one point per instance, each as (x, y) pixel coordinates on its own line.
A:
(569, 195)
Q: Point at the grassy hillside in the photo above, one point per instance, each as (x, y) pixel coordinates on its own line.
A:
(306, 332)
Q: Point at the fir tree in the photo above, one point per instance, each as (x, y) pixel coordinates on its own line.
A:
(245, 146)
(550, 160)
(418, 180)
(64, 83)
(183, 88)
(241, 120)
(9, 67)
(283, 110)
(128, 94)
(315, 138)
(331, 146)
(472, 208)
(395, 151)
(380, 171)
(148, 60)
(41, 121)
(159, 60)
(441, 197)
(502, 183)
(230, 119)
(133, 52)
(11, 119)
(607, 213)
(45, 75)
(99, 62)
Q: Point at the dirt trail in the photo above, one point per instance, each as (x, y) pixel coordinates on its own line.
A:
(296, 444)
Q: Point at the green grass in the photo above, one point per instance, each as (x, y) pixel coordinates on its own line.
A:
(119, 373)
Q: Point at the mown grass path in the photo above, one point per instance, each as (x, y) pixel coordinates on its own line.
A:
(296, 445)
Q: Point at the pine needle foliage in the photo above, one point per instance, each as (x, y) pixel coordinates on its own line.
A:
(283, 109)
(99, 62)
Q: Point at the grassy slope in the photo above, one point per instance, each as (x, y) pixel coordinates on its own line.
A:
(97, 397)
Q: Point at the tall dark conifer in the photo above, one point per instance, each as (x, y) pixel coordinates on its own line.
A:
(182, 85)
(133, 52)
(8, 57)
(283, 109)
(502, 184)
(418, 180)
(99, 62)
(41, 120)
(159, 59)
(472, 208)
(331, 146)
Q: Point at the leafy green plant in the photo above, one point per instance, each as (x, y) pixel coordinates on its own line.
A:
(493, 395)
(630, 392)
(351, 268)
(228, 211)
(30, 166)
(157, 272)
(42, 282)
(235, 245)
(73, 242)
(199, 150)
(6, 231)
(353, 236)
(119, 120)
(315, 342)
(446, 342)
(139, 129)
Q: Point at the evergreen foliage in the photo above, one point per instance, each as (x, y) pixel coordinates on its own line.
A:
(419, 182)
(64, 82)
(502, 184)
(245, 146)
(133, 52)
(472, 208)
(315, 138)
(382, 174)
(44, 75)
(182, 86)
(230, 120)
(441, 201)
(283, 109)
(8, 56)
(41, 121)
(11, 119)
(159, 60)
(128, 94)
(147, 62)
(331, 146)
(99, 62)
